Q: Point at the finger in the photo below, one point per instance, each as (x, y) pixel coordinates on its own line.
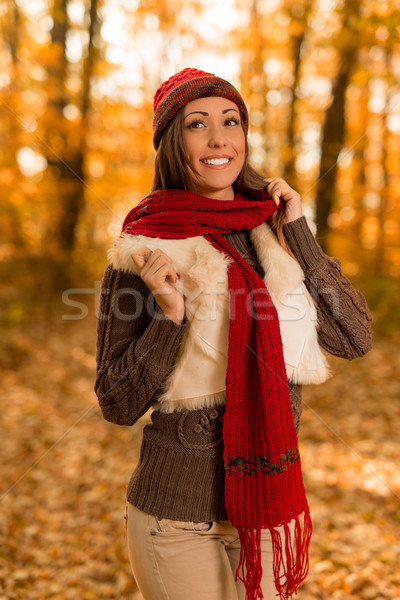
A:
(157, 255)
(141, 256)
(172, 274)
(165, 270)
(273, 187)
(275, 193)
(143, 251)
(147, 256)
(154, 262)
(144, 258)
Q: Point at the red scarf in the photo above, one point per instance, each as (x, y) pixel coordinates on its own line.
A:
(263, 483)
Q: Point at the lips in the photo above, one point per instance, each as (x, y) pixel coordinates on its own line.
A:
(216, 161)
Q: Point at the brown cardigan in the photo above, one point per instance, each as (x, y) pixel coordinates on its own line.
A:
(180, 474)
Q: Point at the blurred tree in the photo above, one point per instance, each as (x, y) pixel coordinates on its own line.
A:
(66, 142)
(359, 118)
(382, 213)
(10, 32)
(253, 81)
(251, 41)
(380, 180)
(10, 26)
(368, 31)
(334, 127)
(300, 12)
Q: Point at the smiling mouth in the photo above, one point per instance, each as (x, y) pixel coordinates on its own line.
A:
(216, 162)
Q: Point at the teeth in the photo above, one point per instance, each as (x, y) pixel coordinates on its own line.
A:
(216, 161)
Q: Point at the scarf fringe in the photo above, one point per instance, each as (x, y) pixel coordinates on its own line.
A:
(249, 570)
(290, 558)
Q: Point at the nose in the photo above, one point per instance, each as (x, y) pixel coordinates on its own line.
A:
(217, 138)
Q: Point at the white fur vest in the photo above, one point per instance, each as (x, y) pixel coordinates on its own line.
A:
(198, 379)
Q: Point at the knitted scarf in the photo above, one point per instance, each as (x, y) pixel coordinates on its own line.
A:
(263, 482)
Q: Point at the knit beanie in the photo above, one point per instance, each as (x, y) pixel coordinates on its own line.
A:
(185, 86)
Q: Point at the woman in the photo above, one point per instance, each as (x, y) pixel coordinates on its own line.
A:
(214, 310)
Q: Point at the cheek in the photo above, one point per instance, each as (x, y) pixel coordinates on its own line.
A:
(186, 145)
(191, 147)
(240, 143)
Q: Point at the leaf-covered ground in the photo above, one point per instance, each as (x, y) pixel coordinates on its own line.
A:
(65, 471)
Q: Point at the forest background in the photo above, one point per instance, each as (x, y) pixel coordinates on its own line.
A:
(77, 77)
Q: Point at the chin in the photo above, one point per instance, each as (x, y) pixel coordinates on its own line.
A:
(218, 186)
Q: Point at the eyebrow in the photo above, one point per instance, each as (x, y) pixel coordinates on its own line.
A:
(205, 114)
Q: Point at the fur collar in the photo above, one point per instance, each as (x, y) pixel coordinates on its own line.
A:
(201, 363)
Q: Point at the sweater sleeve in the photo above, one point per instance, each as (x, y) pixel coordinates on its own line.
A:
(344, 320)
(135, 351)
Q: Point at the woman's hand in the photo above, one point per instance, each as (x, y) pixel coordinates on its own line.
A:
(277, 187)
(154, 268)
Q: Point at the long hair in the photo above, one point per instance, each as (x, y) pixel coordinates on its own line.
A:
(172, 171)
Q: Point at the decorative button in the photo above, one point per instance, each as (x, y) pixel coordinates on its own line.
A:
(205, 433)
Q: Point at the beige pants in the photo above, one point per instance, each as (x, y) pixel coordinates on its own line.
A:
(180, 560)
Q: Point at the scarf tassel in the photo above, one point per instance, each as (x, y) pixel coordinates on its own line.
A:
(290, 567)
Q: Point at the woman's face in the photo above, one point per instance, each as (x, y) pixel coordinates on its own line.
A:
(215, 145)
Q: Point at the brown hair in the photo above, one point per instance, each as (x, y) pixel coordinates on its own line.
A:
(172, 171)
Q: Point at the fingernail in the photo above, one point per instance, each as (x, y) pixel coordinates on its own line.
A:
(178, 276)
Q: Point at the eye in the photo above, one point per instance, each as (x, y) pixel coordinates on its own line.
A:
(231, 122)
(195, 125)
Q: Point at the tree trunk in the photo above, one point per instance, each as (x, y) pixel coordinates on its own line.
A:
(380, 244)
(297, 42)
(73, 203)
(252, 75)
(57, 124)
(10, 31)
(359, 181)
(70, 162)
(332, 142)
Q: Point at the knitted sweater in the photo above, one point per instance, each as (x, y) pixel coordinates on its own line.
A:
(180, 474)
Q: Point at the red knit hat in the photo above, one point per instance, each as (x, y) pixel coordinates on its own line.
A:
(185, 86)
